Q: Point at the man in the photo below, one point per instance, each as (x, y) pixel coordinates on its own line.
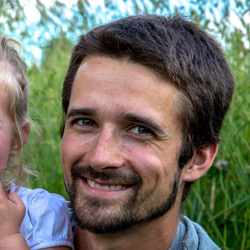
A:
(144, 99)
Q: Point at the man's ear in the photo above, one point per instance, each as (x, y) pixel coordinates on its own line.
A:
(200, 163)
(16, 144)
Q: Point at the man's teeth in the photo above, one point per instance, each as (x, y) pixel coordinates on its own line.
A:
(105, 187)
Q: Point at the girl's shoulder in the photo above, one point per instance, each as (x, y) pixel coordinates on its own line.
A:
(40, 197)
(46, 222)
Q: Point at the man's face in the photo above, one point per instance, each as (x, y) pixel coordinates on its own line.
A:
(121, 145)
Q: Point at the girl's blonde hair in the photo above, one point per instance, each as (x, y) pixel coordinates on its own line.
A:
(15, 87)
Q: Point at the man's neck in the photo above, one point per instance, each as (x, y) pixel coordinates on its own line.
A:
(156, 234)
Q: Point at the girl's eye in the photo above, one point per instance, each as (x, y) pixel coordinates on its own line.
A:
(141, 130)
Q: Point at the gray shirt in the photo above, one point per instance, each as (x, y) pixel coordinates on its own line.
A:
(191, 236)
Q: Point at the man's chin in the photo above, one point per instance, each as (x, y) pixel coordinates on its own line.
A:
(102, 220)
(117, 213)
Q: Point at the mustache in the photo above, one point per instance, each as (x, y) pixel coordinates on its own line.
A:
(113, 175)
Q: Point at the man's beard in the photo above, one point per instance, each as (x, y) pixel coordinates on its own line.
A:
(102, 216)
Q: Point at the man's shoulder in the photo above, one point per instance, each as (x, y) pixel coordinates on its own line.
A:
(191, 235)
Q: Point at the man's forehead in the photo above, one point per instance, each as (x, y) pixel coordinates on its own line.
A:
(109, 82)
(104, 70)
(99, 64)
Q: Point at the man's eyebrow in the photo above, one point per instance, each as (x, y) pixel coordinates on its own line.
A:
(144, 121)
(80, 112)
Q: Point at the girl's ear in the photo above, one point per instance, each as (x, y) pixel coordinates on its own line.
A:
(26, 132)
(15, 144)
(200, 163)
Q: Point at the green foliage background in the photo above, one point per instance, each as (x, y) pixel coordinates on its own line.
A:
(220, 201)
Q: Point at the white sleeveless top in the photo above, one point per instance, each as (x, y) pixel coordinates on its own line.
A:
(46, 222)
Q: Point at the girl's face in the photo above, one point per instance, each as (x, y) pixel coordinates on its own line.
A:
(8, 142)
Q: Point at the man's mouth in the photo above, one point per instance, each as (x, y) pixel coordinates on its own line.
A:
(105, 187)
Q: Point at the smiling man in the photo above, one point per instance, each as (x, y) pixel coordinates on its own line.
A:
(144, 99)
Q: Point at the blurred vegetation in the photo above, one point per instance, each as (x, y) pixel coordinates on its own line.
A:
(220, 201)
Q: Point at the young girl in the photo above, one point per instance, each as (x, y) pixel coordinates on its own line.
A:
(29, 219)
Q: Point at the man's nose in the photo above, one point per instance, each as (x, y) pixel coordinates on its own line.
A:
(105, 151)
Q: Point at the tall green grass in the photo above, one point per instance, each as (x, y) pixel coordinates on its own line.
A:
(42, 153)
(219, 201)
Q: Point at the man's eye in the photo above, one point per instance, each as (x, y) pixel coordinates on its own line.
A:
(85, 122)
(140, 130)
